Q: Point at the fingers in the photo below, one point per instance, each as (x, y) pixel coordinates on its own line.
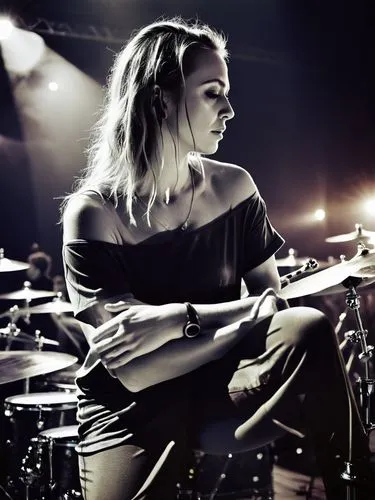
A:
(116, 307)
(254, 313)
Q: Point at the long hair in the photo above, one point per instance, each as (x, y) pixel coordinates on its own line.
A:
(124, 140)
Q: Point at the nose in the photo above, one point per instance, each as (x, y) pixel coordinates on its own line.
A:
(227, 113)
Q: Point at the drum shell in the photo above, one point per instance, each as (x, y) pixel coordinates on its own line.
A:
(25, 416)
(53, 459)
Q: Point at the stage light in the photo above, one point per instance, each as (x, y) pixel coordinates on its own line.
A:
(6, 28)
(53, 86)
(369, 206)
(320, 214)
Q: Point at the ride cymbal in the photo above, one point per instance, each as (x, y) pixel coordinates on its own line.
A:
(362, 266)
(18, 365)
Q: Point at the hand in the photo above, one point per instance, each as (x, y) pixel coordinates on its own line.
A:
(268, 303)
(137, 330)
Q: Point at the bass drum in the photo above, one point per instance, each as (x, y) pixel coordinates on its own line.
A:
(246, 475)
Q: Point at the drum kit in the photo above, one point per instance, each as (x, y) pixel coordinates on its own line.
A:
(38, 429)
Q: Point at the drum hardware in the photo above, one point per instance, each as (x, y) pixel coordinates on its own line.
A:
(309, 265)
(7, 265)
(365, 385)
(348, 275)
(293, 261)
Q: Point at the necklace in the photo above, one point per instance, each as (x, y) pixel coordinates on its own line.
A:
(184, 225)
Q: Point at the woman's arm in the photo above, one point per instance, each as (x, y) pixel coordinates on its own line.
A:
(181, 355)
(137, 342)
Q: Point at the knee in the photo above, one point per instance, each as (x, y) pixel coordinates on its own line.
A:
(308, 327)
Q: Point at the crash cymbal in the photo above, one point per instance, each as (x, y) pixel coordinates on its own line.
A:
(7, 265)
(361, 266)
(357, 235)
(18, 365)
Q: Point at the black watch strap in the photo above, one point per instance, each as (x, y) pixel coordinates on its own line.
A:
(192, 327)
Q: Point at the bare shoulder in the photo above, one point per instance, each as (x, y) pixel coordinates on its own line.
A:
(231, 183)
(87, 216)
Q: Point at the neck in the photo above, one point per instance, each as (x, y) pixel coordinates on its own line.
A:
(173, 179)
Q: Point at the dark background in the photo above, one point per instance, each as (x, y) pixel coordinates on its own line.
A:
(302, 78)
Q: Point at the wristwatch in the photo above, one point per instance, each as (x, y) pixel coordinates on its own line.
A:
(192, 327)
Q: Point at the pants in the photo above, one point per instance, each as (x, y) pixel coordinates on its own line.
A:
(288, 376)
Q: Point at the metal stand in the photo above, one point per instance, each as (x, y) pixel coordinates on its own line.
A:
(366, 384)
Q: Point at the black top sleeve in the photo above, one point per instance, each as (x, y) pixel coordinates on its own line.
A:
(260, 238)
(94, 272)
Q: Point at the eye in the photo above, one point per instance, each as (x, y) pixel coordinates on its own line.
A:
(212, 95)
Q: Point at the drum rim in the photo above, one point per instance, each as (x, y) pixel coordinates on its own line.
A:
(64, 399)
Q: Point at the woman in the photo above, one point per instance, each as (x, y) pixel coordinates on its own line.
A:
(156, 241)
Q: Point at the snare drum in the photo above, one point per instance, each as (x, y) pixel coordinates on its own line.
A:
(51, 464)
(26, 415)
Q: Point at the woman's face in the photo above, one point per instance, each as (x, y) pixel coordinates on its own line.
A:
(206, 102)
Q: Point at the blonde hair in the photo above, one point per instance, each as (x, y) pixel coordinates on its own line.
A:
(125, 137)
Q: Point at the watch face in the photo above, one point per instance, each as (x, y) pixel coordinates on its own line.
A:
(192, 330)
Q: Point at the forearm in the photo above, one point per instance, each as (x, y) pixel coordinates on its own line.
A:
(224, 313)
(181, 356)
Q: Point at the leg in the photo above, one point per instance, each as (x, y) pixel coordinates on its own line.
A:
(293, 378)
(129, 472)
(130, 449)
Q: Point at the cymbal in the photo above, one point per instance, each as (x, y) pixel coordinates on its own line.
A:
(54, 307)
(17, 365)
(357, 235)
(361, 266)
(7, 265)
(27, 294)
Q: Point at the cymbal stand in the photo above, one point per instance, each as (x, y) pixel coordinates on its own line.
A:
(13, 330)
(366, 384)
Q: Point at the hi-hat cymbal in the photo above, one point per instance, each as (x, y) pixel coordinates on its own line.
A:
(27, 294)
(357, 235)
(329, 280)
(18, 365)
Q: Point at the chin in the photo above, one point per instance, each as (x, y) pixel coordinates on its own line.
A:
(208, 150)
